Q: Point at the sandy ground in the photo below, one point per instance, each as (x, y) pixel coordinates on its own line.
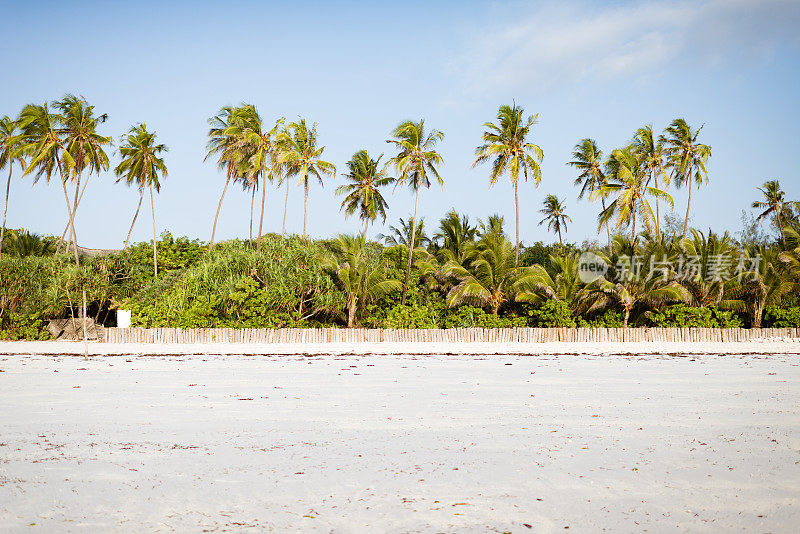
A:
(786, 346)
(403, 443)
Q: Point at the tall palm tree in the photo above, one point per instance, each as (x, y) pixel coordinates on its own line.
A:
(506, 144)
(9, 154)
(555, 215)
(774, 204)
(258, 146)
(416, 158)
(301, 157)
(142, 165)
(686, 157)
(43, 142)
(221, 143)
(651, 152)
(360, 278)
(83, 143)
(363, 192)
(588, 159)
(626, 180)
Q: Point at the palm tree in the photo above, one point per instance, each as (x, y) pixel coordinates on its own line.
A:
(142, 165)
(400, 235)
(708, 285)
(301, 157)
(627, 181)
(763, 282)
(258, 148)
(455, 233)
(645, 287)
(222, 144)
(588, 159)
(363, 193)
(9, 154)
(505, 143)
(83, 143)
(491, 277)
(651, 152)
(415, 159)
(554, 215)
(361, 278)
(774, 204)
(563, 284)
(43, 142)
(686, 157)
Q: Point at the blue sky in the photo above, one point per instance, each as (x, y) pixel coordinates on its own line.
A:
(588, 69)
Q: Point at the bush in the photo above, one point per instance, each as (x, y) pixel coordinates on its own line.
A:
(683, 316)
(471, 317)
(411, 317)
(782, 317)
(609, 319)
(553, 313)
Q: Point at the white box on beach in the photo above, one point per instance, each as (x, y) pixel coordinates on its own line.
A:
(123, 318)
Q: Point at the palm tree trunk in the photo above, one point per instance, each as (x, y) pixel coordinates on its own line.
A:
(560, 242)
(777, 218)
(625, 320)
(305, 204)
(633, 228)
(608, 231)
(688, 205)
(80, 198)
(69, 210)
(75, 208)
(153, 213)
(364, 233)
(351, 315)
(135, 215)
(658, 217)
(411, 245)
(219, 207)
(516, 205)
(5, 209)
(263, 200)
(285, 206)
(252, 201)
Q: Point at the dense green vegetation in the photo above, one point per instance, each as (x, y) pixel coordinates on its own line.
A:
(657, 271)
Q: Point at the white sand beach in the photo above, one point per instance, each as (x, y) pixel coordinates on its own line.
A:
(400, 443)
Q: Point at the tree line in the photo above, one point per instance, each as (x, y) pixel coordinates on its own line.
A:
(463, 269)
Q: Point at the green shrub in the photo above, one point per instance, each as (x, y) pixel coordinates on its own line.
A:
(683, 316)
(609, 319)
(553, 313)
(782, 317)
(472, 317)
(411, 317)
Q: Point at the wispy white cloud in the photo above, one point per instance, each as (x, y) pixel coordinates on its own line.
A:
(578, 41)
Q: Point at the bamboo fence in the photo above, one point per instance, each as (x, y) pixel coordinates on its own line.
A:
(450, 335)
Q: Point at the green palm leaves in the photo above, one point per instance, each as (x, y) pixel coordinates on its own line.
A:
(416, 160)
(300, 156)
(554, 211)
(774, 204)
(363, 194)
(627, 183)
(360, 275)
(10, 149)
(143, 166)
(686, 157)
(588, 159)
(506, 145)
